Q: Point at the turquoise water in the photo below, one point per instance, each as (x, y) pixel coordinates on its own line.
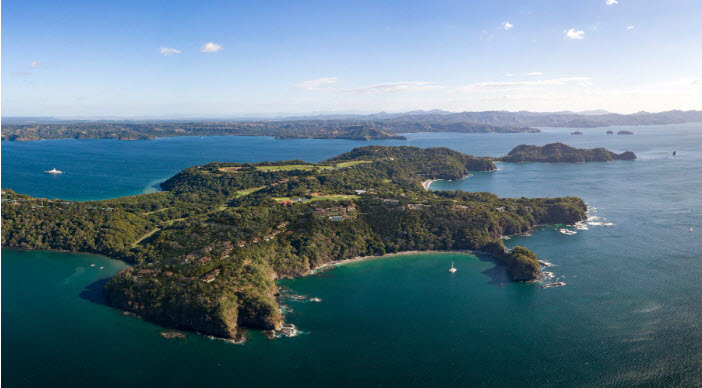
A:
(628, 315)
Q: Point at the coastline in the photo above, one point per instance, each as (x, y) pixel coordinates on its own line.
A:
(356, 259)
(428, 183)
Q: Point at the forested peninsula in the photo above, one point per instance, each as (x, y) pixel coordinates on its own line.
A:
(207, 250)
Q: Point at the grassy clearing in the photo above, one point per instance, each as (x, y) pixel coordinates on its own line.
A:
(170, 222)
(336, 197)
(144, 237)
(156, 211)
(229, 169)
(352, 163)
(242, 193)
(322, 197)
(291, 167)
(304, 167)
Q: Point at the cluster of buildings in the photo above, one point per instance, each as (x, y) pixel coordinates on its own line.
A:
(283, 181)
(335, 213)
(267, 237)
(290, 202)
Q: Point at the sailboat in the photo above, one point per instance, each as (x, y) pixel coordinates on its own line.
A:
(54, 171)
(453, 269)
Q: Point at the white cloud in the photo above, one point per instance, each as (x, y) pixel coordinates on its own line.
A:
(392, 87)
(534, 73)
(210, 47)
(611, 2)
(34, 64)
(630, 27)
(507, 25)
(315, 84)
(167, 51)
(509, 75)
(574, 34)
(525, 84)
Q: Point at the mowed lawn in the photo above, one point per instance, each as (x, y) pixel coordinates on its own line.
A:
(331, 197)
(242, 193)
(299, 167)
(291, 167)
(352, 163)
(308, 167)
(337, 197)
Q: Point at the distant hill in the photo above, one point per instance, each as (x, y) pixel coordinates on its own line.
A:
(353, 132)
(594, 112)
(559, 152)
(522, 119)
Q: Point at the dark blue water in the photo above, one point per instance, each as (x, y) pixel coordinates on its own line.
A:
(101, 169)
(629, 314)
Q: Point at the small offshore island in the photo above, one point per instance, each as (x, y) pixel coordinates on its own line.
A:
(207, 250)
(562, 153)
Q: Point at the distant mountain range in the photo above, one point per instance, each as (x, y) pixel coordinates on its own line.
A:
(583, 119)
(586, 119)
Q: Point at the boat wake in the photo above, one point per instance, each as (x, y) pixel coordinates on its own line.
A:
(554, 284)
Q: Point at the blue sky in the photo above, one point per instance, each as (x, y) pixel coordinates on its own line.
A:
(227, 59)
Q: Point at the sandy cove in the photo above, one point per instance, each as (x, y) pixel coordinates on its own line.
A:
(428, 183)
(364, 258)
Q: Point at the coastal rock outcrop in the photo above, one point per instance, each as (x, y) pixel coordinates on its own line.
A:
(191, 304)
(521, 263)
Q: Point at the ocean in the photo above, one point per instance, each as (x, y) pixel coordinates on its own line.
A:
(629, 313)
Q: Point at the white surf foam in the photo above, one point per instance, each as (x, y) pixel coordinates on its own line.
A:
(580, 225)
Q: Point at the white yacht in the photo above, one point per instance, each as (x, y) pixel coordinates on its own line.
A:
(453, 269)
(54, 171)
